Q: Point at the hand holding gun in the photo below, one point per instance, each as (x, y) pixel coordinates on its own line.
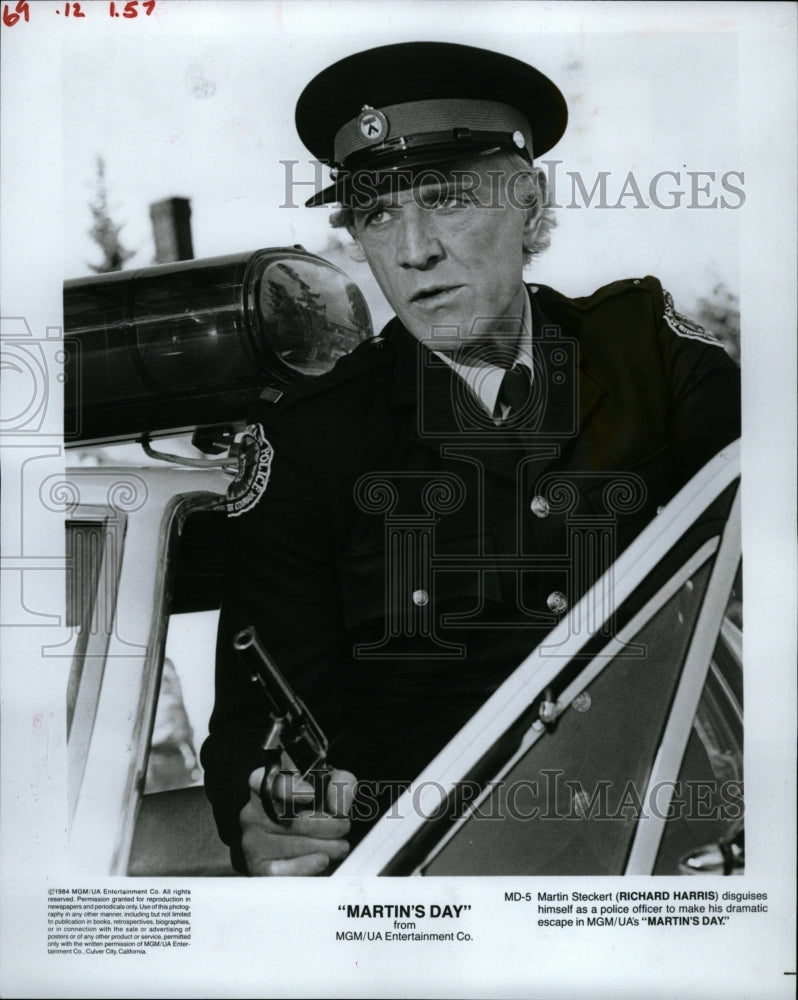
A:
(293, 732)
(281, 841)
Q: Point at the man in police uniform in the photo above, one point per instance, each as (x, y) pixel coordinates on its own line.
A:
(400, 538)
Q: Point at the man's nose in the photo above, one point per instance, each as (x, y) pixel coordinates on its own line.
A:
(418, 246)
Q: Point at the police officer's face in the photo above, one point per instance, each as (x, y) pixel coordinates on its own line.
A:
(448, 263)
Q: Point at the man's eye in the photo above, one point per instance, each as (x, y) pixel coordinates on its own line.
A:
(451, 201)
(377, 217)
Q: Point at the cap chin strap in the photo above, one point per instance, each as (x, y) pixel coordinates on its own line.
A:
(451, 144)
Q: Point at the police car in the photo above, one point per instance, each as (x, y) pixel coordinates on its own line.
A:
(616, 747)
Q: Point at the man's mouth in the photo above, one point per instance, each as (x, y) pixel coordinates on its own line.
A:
(433, 294)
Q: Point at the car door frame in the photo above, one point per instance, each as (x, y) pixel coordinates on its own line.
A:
(393, 834)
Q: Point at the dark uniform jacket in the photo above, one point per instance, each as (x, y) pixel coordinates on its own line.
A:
(400, 554)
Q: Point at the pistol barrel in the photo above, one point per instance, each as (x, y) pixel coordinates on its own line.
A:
(263, 668)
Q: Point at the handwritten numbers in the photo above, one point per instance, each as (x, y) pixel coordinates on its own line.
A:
(10, 17)
(12, 14)
(131, 8)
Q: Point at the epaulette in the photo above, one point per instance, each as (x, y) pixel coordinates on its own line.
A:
(662, 305)
(548, 296)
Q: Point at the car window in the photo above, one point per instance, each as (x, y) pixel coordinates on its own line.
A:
(570, 804)
(174, 832)
(85, 545)
(707, 835)
(185, 701)
(93, 549)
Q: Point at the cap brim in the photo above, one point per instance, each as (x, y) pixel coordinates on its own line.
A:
(401, 175)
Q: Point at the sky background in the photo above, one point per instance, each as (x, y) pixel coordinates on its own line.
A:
(209, 116)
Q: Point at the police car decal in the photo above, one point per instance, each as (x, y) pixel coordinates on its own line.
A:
(684, 327)
(254, 468)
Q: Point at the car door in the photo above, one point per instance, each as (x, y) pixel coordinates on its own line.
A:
(603, 756)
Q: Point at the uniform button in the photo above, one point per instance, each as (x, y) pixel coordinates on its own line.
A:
(557, 602)
(539, 506)
(420, 598)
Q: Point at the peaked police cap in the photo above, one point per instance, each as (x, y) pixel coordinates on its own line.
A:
(415, 104)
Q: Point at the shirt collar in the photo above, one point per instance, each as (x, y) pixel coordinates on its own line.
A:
(484, 381)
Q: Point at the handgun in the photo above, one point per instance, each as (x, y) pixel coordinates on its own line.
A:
(293, 732)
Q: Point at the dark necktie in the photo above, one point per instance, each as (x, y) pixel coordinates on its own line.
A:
(515, 390)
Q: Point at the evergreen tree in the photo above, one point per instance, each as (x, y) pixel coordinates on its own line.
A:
(105, 232)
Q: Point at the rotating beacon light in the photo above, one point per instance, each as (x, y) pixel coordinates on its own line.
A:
(176, 347)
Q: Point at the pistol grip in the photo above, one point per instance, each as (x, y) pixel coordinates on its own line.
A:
(320, 778)
(273, 764)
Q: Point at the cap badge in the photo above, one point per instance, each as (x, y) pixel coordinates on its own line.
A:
(373, 124)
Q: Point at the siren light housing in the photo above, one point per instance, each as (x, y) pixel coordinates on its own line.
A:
(172, 348)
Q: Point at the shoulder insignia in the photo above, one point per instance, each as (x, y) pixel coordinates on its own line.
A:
(254, 468)
(682, 326)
